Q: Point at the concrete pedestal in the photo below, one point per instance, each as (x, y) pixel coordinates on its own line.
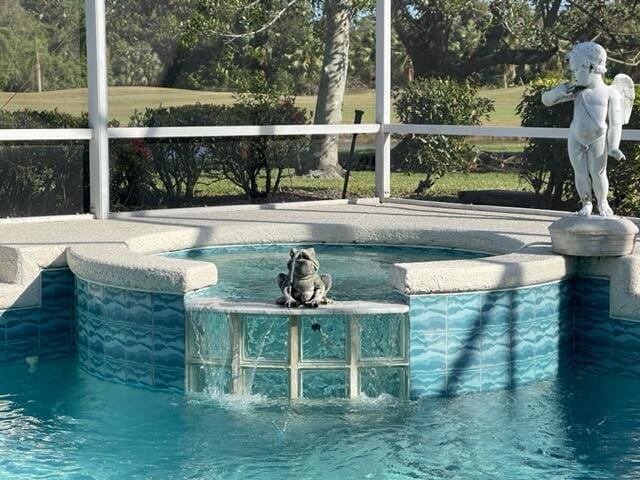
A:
(593, 236)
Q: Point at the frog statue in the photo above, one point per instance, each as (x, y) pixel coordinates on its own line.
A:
(302, 285)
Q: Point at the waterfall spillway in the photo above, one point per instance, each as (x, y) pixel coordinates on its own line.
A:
(283, 353)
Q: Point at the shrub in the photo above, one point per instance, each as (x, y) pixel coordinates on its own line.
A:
(546, 165)
(177, 166)
(177, 163)
(256, 164)
(546, 162)
(624, 176)
(43, 178)
(439, 101)
(131, 177)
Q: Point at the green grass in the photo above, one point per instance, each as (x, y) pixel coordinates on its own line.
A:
(361, 184)
(498, 144)
(124, 100)
(506, 101)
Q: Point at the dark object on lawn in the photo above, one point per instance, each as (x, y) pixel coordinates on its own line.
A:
(357, 120)
(500, 198)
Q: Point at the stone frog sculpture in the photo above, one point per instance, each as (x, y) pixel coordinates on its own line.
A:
(302, 285)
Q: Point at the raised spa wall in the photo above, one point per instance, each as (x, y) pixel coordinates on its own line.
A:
(468, 342)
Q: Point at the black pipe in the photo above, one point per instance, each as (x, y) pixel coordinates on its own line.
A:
(357, 120)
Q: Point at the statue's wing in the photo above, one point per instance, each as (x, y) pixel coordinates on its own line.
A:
(624, 85)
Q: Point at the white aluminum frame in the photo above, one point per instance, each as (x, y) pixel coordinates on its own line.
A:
(98, 117)
(383, 98)
(99, 133)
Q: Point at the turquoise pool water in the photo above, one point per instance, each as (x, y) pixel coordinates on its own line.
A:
(60, 423)
(359, 272)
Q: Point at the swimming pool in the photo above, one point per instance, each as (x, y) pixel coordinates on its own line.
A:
(359, 272)
(498, 326)
(61, 423)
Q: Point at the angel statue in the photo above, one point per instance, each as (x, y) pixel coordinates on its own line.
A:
(599, 112)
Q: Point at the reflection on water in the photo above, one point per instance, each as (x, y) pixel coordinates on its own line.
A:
(359, 272)
(60, 423)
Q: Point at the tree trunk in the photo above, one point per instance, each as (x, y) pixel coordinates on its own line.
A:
(323, 151)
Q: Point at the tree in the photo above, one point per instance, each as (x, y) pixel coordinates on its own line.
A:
(142, 40)
(42, 45)
(246, 46)
(439, 101)
(613, 24)
(458, 38)
(240, 23)
(333, 81)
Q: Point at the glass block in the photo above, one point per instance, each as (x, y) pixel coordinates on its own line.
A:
(214, 381)
(266, 337)
(382, 336)
(323, 339)
(271, 383)
(209, 336)
(383, 380)
(324, 383)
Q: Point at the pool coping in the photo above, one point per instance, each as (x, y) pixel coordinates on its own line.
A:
(135, 265)
(360, 307)
(522, 252)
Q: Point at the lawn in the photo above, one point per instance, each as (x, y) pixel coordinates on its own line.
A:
(506, 101)
(124, 100)
(362, 184)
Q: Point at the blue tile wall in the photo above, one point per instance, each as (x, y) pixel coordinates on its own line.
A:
(482, 341)
(603, 344)
(457, 343)
(47, 331)
(130, 336)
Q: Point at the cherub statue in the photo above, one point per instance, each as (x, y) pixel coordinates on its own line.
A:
(598, 115)
(302, 285)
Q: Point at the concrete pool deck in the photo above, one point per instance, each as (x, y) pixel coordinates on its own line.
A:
(120, 251)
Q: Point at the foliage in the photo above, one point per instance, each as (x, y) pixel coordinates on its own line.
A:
(172, 168)
(438, 101)
(624, 175)
(613, 24)
(243, 160)
(224, 45)
(546, 165)
(362, 53)
(547, 168)
(461, 38)
(42, 178)
(131, 176)
(177, 163)
(46, 34)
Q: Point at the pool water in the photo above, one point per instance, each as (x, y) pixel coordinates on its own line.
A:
(60, 423)
(358, 272)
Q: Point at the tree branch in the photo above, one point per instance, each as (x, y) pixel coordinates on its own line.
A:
(274, 19)
(522, 56)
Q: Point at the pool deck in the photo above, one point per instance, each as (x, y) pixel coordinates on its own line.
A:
(120, 251)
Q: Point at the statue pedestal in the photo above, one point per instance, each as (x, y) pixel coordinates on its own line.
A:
(593, 236)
